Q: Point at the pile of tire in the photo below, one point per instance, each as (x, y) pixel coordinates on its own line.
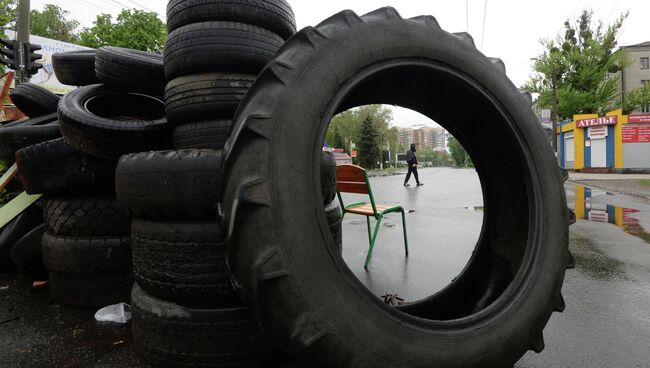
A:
(185, 309)
(20, 240)
(86, 242)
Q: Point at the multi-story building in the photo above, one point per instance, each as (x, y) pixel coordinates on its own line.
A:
(405, 136)
(638, 73)
(434, 138)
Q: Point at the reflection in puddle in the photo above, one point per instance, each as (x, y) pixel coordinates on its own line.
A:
(625, 218)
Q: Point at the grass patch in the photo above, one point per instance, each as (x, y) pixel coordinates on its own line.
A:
(593, 262)
(645, 182)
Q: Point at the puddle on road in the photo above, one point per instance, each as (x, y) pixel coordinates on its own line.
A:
(625, 218)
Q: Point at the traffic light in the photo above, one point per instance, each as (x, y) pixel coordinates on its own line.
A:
(31, 66)
(9, 51)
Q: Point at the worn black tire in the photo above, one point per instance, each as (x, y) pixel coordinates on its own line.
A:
(106, 122)
(211, 134)
(15, 230)
(274, 15)
(335, 221)
(26, 253)
(54, 167)
(166, 334)
(75, 68)
(328, 176)
(205, 96)
(87, 255)
(169, 184)
(130, 70)
(183, 262)
(90, 290)
(33, 131)
(86, 216)
(34, 100)
(219, 47)
(497, 307)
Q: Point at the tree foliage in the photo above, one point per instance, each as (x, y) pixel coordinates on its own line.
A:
(368, 144)
(134, 29)
(7, 14)
(347, 125)
(459, 154)
(52, 22)
(583, 62)
(637, 99)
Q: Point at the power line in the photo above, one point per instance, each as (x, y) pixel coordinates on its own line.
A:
(467, 15)
(144, 7)
(484, 19)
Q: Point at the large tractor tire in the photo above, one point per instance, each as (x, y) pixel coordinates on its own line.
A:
(282, 253)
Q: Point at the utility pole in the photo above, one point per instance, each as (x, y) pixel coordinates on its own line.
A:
(554, 107)
(22, 37)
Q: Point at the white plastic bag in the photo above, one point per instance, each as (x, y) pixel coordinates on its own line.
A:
(118, 313)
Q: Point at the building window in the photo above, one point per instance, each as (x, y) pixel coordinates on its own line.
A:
(645, 63)
(645, 109)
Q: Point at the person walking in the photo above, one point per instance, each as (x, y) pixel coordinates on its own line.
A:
(412, 161)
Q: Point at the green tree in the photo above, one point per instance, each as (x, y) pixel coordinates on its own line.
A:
(459, 154)
(368, 144)
(53, 23)
(134, 29)
(636, 99)
(348, 125)
(338, 141)
(578, 68)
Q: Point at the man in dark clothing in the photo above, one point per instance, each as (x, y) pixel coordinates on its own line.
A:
(412, 161)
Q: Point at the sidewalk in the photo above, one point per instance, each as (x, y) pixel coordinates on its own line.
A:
(585, 176)
(631, 184)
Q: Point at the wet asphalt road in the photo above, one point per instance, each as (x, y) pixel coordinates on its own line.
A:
(606, 322)
(607, 319)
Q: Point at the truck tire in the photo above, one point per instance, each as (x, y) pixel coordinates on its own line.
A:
(209, 47)
(75, 68)
(26, 253)
(183, 262)
(54, 167)
(34, 100)
(15, 138)
(166, 334)
(169, 184)
(87, 255)
(205, 96)
(90, 290)
(209, 134)
(108, 123)
(496, 309)
(328, 177)
(86, 216)
(131, 70)
(274, 15)
(15, 230)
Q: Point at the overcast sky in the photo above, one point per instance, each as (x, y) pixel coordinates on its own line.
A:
(513, 28)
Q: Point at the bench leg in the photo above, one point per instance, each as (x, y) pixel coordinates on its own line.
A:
(369, 233)
(372, 242)
(406, 242)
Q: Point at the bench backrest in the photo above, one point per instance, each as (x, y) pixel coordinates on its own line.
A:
(352, 179)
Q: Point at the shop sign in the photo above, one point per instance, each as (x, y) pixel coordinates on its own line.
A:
(644, 118)
(636, 133)
(606, 120)
(598, 132)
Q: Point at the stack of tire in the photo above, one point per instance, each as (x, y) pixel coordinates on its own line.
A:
(20, 240)
(86, 247)
(185, 309)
